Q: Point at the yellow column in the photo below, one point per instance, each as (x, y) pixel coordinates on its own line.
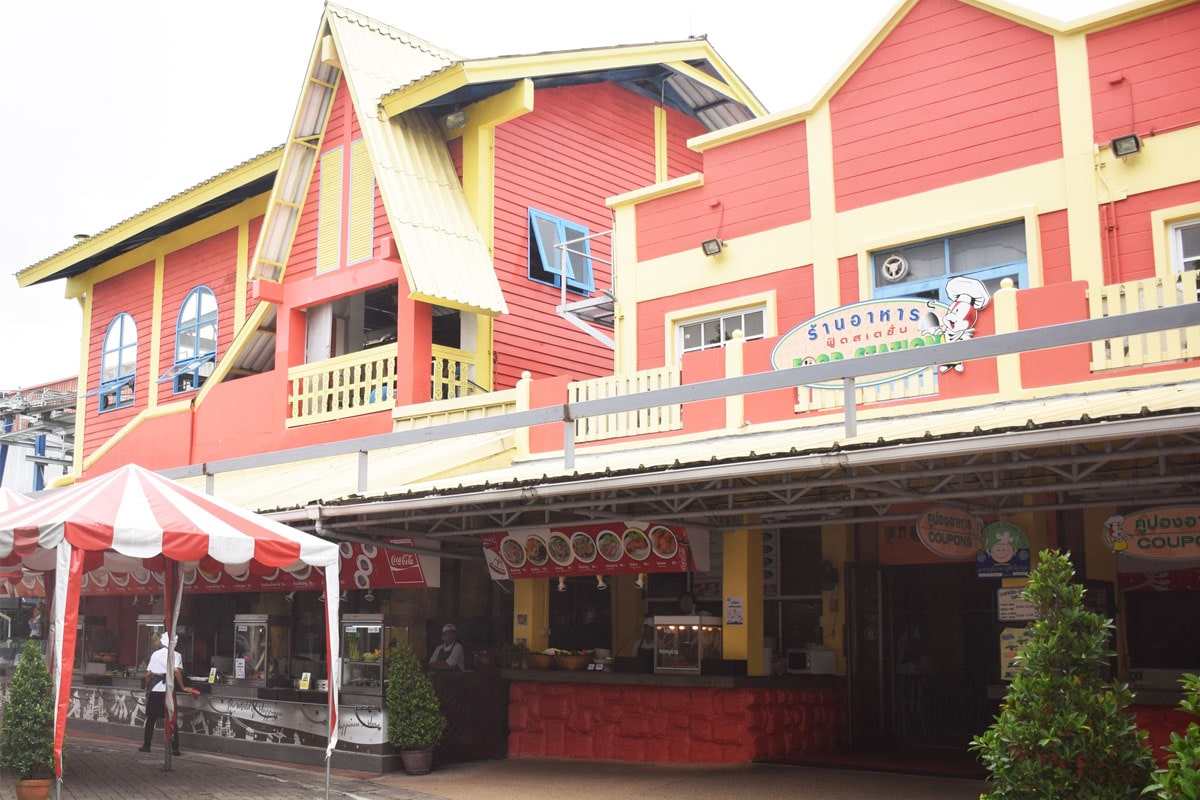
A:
(742, 579)
(835, 549)
(531, 612)
(1079, 163)
(827, 284)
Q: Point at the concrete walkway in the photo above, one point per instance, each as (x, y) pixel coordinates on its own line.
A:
(102, 769)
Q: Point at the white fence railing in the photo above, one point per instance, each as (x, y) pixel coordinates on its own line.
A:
(628, 423)
(1145, 348)
(344, 386)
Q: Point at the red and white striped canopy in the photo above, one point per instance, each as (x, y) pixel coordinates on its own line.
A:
(10, 499)
(141, 515)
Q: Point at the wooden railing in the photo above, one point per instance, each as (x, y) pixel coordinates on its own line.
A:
(452, 374)
(629, 423)
(1147, 348)
(344, 386)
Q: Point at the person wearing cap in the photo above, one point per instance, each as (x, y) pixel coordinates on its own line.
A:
(156, 693)
(450, 654)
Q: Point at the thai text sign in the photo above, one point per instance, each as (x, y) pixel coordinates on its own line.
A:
(618, 547)
(1162, 533)
(951, 533)
(863, 329)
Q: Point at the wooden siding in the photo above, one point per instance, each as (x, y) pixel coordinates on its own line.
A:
(681, 159)
(578, 147)
(1145, 75)
(252, 242)
(848, 281)
(130, 292)
(1129, 247)
(1056, 248)
(758, 184)
(211, 263)
(953, 94)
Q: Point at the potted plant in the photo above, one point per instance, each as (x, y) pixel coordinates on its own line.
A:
(1181, 779)
(414, 715)
(27, 727)
(1063, 729)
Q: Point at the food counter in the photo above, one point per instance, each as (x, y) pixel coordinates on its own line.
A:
(705, 718)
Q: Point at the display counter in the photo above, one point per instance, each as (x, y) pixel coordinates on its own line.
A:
(682, 718)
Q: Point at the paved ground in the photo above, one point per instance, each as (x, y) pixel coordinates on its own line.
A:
(101, 769)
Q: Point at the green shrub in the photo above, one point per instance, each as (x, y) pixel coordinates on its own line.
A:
(1063, 731)
(1181, 779)
(414, 715)
(27, 730)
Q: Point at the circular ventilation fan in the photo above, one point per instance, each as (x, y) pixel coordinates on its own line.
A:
(894, 268)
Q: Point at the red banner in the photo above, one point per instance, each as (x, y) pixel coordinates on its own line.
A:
(364, 566)
(608, 549)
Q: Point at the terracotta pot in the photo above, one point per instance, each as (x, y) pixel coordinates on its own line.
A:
(33, 789)
(417, 762)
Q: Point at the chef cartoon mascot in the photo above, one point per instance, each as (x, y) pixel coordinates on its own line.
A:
(968, 296)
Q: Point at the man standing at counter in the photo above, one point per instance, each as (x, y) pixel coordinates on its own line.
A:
(450, 654)
(156, 693)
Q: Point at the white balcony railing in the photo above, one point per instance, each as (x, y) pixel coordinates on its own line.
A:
(344, 386)
(629, 423)
(1147, 348)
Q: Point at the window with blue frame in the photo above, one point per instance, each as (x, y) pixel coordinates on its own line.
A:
(922, 269)
(118, 364)
(195, 341)
(558, 247)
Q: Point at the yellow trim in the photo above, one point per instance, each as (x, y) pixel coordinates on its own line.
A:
(661, 167)
(329, 211)
(360, 227)
(81, 401)
(1079, 172)
(240, 338)
(426, 90)
(531, 598)
(625, 285)
(673, 319)
(156, 332)
(129, 427)
(241, 287)
(186, 201)
(741, 577)
(826, 277)
(1161, 221)
(680, 184)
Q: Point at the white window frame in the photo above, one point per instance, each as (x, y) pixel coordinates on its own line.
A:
(1182, 261)
(118, 351)
(676, 320)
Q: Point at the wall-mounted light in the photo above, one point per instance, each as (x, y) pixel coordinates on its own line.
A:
(369, 596)
(454, 120)
(291, 597)
(711, 247)
(1127, 145)
(600, 584)
(562, 584)
(640, 582)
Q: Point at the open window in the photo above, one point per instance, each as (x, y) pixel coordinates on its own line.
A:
(118, 364)
(195, 341)
(558, 247)
(921, 269)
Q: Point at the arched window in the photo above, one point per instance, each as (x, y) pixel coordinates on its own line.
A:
(195, 341)
(118, 363)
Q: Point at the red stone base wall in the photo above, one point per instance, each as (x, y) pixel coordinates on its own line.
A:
(1160, 722)
(673, 723)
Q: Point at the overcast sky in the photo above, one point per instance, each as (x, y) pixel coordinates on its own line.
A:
(111, 108)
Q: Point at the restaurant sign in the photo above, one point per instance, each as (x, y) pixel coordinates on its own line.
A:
(1005, 552)
(863, 329)
(951, 533)
(609, 549)
(1160, 533)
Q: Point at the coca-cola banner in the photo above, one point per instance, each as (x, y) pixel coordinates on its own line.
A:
(608, 549)
(364, 566)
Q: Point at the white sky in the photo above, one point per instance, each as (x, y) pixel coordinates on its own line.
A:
(111, 108)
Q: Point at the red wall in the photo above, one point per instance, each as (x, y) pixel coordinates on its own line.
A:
(212, 263)
(1056, 248)
(579, 146)
(750, 186)
(1145, 75)
(1128, 240)
(131, 292)
(953, 94)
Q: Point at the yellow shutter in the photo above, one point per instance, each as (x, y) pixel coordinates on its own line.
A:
(360, 234)
(329, 213)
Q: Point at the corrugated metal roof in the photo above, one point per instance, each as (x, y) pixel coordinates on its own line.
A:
(444, 255)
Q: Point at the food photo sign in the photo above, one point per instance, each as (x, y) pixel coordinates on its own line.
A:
(607, 549)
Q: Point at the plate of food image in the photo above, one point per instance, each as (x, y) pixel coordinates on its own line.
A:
(663, 542)
(609, 545)
(637, 546)
(513, 552)
(560, 549)
(584, 547)
(535, 551)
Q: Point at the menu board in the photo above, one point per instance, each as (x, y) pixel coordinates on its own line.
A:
(1012, 644)
(613, 548)
(1012, 606)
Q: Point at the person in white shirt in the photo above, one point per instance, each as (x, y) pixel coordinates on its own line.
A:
(450, 654)
(156, 693)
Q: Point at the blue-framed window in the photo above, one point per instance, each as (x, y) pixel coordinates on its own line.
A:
(546, 257)
(195, 341)
(118, 364)
(922, 269)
